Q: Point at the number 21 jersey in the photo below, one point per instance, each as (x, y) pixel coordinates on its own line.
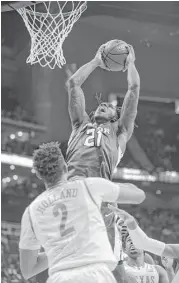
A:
(93, 150)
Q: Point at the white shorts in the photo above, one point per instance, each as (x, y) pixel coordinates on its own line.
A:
(95, 273)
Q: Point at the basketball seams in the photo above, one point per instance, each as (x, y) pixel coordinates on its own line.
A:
(106, 64)
(105, 56)
(113, 48)
(114, 61)
(118, 54)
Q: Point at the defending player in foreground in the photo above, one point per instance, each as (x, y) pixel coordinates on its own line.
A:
(142, 241)
(66, 221)
(97, 145)
(137, 269)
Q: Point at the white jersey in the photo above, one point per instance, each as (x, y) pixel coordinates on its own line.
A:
(143, 274)
(66, 221)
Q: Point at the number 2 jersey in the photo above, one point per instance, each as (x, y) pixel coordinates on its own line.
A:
(93, 150)
(66, 221)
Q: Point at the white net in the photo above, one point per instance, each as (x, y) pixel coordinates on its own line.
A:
(48, 30)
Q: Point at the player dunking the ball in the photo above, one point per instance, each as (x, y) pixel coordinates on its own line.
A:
(66, 221)
(96, 147)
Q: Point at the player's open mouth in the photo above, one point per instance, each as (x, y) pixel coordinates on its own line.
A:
(132, 249)
(102, 109)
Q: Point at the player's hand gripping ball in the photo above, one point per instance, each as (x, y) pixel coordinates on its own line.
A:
(98, 56)
(130, 57)
(115, 55)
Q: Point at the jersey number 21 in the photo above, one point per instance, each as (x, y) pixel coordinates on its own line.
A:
(90, 140)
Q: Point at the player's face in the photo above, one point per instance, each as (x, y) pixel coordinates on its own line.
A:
(130, 249)
(105, 112)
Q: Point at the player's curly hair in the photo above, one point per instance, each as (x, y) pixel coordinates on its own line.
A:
(98, 97)
(48, 162)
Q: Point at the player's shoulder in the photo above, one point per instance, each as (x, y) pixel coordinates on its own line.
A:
(38, 199)
(25, 214)
(115, 126)
(97, 181)
(160, 270)
(101, 186)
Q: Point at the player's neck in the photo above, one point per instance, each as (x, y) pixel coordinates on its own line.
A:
(59, 182)
(101, 122)
(139, 262)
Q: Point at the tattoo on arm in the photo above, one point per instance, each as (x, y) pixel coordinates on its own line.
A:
(129, 107)
(80, 76)
(75, 92)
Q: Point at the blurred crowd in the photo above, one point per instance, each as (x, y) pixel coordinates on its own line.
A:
(161, 224)
(20, 146)
(24, 145)
(11, 108)
(26, 187)
(158, 135)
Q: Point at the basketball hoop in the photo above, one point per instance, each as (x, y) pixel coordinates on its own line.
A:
(49, 30)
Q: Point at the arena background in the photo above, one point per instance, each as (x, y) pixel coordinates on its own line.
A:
(34, 109)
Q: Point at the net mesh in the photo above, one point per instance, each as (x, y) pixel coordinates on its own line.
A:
(48, 30)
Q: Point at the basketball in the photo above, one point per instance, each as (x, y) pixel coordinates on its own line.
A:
(114, 55)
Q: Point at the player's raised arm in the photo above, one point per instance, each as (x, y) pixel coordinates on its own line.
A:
(130, 103)
(76, 104)
(142, 241)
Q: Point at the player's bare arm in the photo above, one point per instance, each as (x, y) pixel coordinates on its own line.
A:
(171, 250)
(163, 277)
(129, 193)
(130, 103)
(142, 241)
(32, 262)
(112, 192)
(76, 103)
(168, 265)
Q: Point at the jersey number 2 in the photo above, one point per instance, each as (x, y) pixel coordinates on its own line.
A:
(90, 140)
(62, 207)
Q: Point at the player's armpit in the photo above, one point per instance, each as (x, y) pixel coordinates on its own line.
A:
(32, 262)
(163, 277)
(76, 105)
(122, 141)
